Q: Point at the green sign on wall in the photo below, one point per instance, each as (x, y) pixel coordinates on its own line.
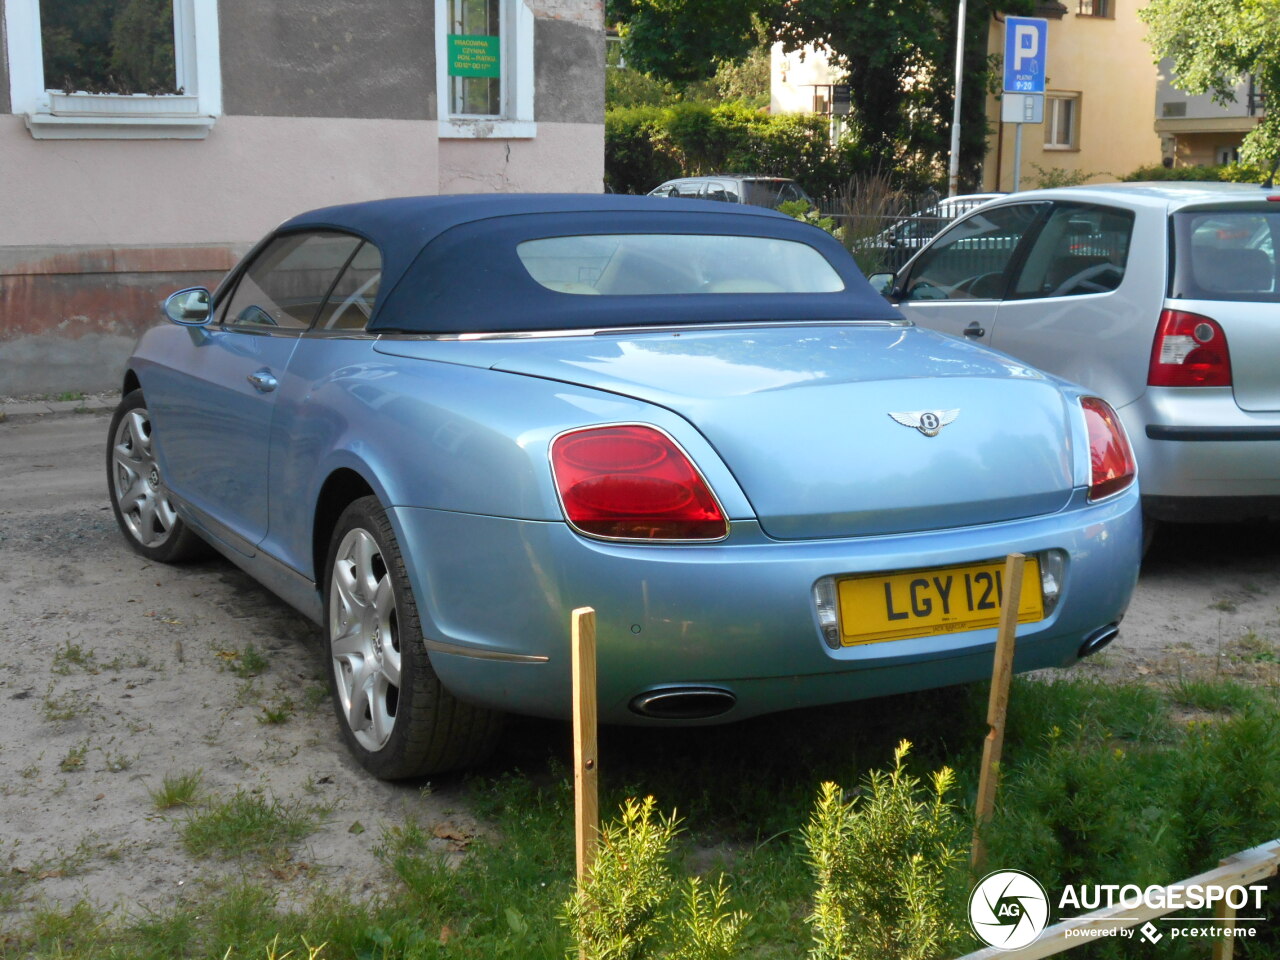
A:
(474, 55)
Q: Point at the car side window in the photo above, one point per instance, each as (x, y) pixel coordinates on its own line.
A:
(688, 191)
(350, 303)
(1081, 249)
(971, 260)
(286, 283)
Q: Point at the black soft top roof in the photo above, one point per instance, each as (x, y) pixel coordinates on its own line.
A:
(449, 263)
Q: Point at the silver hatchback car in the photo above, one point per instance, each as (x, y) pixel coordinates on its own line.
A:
(1163, 298)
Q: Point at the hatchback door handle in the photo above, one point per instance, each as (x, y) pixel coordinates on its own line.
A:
(974, 330)
(263, 381)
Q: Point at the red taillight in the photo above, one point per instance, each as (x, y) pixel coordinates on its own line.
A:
(633, 483)
(1111, 464)
(1189, 351)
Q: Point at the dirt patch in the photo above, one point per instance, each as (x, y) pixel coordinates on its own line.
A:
(116, 673)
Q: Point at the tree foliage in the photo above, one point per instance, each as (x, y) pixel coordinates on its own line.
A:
(647, 145)
(898, 56)
(1213, 45)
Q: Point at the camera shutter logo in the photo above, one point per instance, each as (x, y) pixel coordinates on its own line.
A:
(1008, 909)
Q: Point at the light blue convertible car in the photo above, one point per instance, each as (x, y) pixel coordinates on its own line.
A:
(436, 425)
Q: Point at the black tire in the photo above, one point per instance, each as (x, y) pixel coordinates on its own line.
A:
(373, 638)
(139, 498)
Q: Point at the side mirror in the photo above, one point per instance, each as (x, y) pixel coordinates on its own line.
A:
(881, 283)
(189, 307)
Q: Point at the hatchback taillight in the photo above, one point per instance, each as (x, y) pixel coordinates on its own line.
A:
(632, 482)
(1111, 463)
(1189, 351)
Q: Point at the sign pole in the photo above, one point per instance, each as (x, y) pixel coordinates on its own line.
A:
(1017, 157)
(953, 170)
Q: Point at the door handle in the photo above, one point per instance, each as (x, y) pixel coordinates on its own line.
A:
(263, 381)
(974, 330)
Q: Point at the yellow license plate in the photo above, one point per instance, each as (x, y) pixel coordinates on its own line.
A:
(925, 603)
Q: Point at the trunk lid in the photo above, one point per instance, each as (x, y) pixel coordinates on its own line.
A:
(807, 420)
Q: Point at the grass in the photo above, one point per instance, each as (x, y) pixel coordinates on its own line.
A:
(247, 824)
(1101, 783)
(71, 656)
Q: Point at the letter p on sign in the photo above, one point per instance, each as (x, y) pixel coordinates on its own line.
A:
(1026, 45)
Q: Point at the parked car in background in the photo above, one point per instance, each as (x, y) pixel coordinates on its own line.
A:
(437, 425)
(734, 188)
(1162, 298)
(897, 243)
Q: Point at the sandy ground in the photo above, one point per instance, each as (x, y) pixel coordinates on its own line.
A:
(115, 673)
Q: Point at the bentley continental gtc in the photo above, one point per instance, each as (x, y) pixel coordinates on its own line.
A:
(437, 425)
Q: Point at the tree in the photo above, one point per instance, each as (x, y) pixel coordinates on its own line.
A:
(898, 55)
(1215, 43)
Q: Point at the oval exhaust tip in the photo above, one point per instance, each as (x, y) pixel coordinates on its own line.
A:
(683, 703)
(1098, 639)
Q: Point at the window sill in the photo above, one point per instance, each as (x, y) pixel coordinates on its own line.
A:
(1062, 148)
(48, 126)
(485, 128)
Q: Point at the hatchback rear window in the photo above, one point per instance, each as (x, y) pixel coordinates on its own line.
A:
(1226, 255)
(639, 264)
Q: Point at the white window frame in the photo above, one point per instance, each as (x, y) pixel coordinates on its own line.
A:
(1051, 102)
(515, 121)
(54, 115)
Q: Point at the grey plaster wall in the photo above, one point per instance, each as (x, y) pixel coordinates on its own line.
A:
(329, 58)
(5, 105)
(569, 63)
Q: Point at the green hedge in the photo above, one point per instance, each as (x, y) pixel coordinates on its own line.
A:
(647, 145)
(1229, 172)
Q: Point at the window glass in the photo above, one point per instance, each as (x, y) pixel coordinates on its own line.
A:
(970, 260)
(722, 190)
(637, 264)
(475, 57)
(1081, 249)
(95, 47)
(1060, 122)
(287, 281)
(1227, 255)
(689, 190)
(351, 303)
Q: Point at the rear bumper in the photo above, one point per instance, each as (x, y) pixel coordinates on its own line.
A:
(495, 597)
(1200, 456)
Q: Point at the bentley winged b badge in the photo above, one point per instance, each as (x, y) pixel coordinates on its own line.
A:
(928, 422)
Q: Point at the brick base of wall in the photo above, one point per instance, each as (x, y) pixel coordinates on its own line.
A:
(69, 316)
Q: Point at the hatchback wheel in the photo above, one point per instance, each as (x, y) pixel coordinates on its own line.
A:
(396, 716)
(139, 497)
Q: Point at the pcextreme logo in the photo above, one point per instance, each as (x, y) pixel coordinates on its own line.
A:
(1009, 909)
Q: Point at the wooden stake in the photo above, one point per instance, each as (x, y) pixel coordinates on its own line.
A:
(586, 806)
(998, 705)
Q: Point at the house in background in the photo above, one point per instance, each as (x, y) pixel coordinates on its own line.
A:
(122, 185)
(1100, 93)
(1194, 130)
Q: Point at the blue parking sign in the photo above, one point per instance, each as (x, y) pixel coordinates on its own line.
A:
(1026, 40)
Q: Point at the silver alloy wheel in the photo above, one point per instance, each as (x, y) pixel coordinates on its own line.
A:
(138, 487)
(365, 639)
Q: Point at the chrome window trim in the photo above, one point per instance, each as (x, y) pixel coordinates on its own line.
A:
(656, 328)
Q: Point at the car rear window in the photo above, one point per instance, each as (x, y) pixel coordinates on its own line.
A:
(1226, 255)
(656, 264)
